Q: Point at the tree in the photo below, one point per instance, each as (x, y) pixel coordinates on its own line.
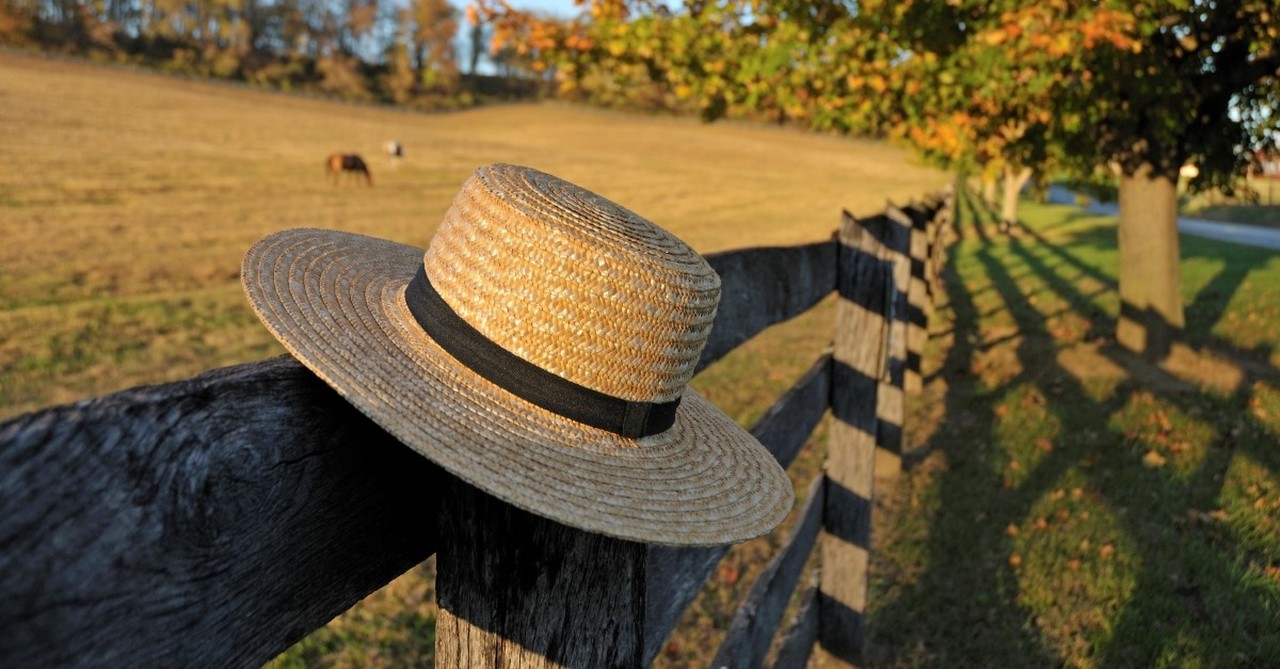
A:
(1135, 86)
(477, 37)
(397, 83)
(1199, 83)
(436, 25)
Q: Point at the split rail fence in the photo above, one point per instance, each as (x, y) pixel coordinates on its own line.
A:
(218, 520)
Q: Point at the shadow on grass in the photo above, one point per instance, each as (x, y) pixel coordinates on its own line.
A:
(1070, 522)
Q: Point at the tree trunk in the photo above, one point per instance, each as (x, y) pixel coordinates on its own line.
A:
(988, 190)
(1014, 180)
(1150, 281)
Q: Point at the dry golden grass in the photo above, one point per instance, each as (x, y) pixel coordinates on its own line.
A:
(128, 199)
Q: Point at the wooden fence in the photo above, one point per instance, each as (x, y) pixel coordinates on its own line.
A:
(217, 521)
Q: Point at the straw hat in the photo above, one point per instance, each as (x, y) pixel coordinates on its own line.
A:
(540, 350)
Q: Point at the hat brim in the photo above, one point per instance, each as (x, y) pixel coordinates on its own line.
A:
(335, 300)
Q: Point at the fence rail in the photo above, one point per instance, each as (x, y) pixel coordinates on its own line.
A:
(218, 520)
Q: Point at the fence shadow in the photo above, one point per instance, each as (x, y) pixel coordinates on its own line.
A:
(973, 600)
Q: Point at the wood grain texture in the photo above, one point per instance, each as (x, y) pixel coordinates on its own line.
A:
(676, 575)
(917, 296)
(211, 522)
(756, 621)
(801, 635)
(764, 286)
(859, 361)
(519, 591)
(894, 247)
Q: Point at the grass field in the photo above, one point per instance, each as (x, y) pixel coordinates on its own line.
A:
(127, 200)
(1080, 507)
(1264, 211)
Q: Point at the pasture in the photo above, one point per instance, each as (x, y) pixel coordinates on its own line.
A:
(128, 199)
(137, 195)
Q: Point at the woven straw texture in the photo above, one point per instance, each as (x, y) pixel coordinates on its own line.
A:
(564, 279)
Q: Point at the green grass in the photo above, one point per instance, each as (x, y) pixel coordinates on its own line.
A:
(1263, 215)
(1080, 507)
(1262, 210)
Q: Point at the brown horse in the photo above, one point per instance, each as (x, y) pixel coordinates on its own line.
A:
(338, 163)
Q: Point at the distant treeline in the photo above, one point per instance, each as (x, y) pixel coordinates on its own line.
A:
(370, 50)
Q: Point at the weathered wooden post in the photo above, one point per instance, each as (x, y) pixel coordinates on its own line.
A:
(865, 287)
(917, 294)
(942, 219)
(890, 398)
(517, 590)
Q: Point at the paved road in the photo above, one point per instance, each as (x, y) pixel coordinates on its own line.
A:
(1237, 233)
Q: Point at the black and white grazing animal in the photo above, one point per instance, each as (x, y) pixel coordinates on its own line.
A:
(395, 151)
(338, 163)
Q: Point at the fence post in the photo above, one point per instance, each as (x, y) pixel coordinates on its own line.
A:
(917, 294)
(517, 590)
(865, 287)
(942, 220)
(890, 398)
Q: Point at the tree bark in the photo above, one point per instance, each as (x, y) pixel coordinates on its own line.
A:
(1014, 179)
(989, 190)
(1151, 315)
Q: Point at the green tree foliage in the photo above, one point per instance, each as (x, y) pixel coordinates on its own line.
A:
(1094, 89)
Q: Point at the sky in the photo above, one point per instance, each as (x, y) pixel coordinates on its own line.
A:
(559, 8)
(562, 8)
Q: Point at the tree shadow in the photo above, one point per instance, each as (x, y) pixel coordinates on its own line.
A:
(1181, 574)
(1202, 312)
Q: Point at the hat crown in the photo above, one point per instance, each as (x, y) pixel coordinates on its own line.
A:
(574, 283)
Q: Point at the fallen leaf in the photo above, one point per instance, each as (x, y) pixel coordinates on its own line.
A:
(1153, 460)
